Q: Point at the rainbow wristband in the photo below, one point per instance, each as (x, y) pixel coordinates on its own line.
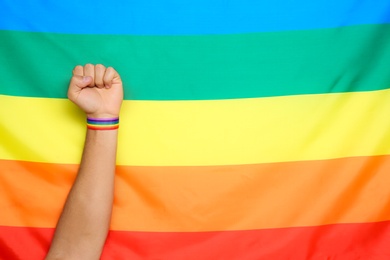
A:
(103, 123)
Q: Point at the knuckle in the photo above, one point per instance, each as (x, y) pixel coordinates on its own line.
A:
(77, 70)
(100, 66)
(89, 66)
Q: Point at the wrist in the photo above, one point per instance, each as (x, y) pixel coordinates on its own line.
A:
(111, 123)
(102, 115)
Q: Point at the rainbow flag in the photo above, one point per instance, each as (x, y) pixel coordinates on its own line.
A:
(250, 129)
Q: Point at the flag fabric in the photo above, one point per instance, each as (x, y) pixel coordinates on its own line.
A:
(249, 130)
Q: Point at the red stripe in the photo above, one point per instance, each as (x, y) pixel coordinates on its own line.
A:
(102, 127)
(340, 241)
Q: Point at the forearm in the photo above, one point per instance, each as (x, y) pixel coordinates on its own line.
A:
(84, 223)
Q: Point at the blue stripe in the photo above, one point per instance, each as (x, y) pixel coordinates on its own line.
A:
(180, 17)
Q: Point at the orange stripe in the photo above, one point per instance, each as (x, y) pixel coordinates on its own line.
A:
(207, 198)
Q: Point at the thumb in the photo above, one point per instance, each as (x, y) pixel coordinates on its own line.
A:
(77, 83)
(80, 82)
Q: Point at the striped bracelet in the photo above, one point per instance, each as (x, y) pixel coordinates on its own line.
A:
(103, 123)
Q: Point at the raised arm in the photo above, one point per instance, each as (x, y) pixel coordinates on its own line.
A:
(83, 226)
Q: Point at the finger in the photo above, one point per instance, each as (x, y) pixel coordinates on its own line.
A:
(111, 77)
(76, 84)
(78, 70)
(89, 70)
(99, 74)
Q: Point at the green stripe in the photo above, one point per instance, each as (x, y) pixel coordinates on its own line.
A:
(346, 59)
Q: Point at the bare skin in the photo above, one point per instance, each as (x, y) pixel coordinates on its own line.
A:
(84, 223)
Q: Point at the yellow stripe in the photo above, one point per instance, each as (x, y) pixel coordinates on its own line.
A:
(241, 131)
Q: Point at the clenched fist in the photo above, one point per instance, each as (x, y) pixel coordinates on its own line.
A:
(97, 90)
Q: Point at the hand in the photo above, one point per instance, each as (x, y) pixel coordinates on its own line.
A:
(97, 90)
